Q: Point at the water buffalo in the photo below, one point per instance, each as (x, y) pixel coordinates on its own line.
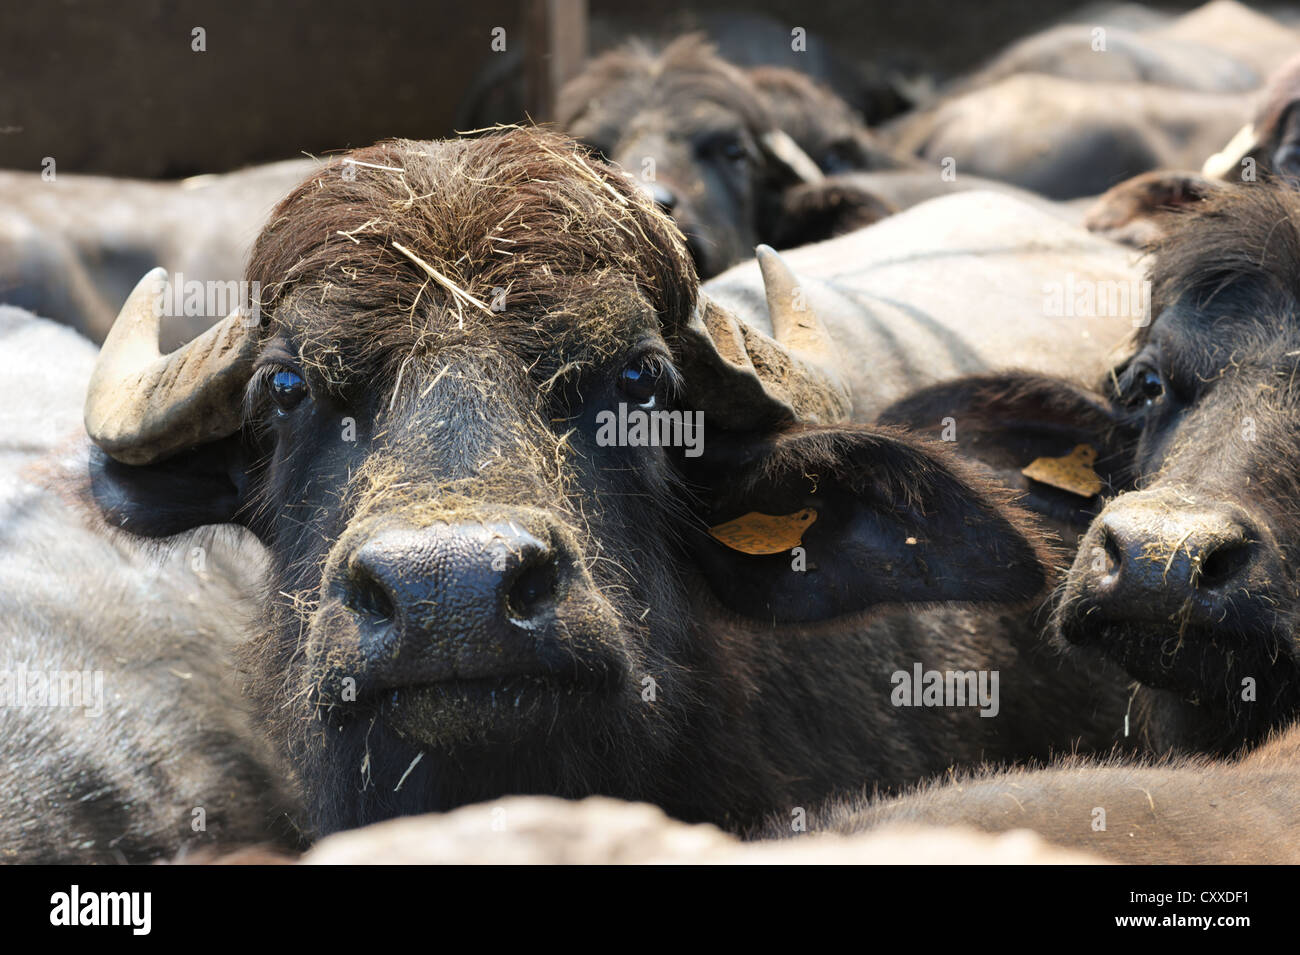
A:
(1261, 42)
(1100, 52)
(705, 139)
(1221, 47)
(968, 282)
(123, 735)
(1180, 812)
(72, 248)
(1184, 576)
(477, 587)
(1062, 116)
(1067, 138)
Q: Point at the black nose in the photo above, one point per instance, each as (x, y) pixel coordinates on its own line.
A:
(455, 602)
(1157, 559)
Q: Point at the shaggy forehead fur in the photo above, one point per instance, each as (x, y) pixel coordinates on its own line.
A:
(519, 213)
(811, 114)
(632, 79)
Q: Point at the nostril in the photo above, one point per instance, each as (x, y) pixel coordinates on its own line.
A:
(1112, 556)
(532, 592)
(367, 597)
(1224, 564)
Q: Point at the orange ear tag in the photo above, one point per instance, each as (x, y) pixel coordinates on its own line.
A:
(1072, 473)
(756, 533)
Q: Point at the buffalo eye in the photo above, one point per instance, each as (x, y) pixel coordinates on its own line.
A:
(725, 146)
(1150, 386)
(1146, 386)
(639, 382)
(287, 388)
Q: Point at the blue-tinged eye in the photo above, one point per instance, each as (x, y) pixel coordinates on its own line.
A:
(287, 388)
(1152, 386)
(640, 383)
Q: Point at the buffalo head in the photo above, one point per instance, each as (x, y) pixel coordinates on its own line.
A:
(1185, 574)
(482, 581)
(700, 137)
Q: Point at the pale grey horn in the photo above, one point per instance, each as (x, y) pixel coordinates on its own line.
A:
(143, 406)
(746, 380)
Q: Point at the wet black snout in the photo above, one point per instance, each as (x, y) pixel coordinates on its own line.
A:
(457, 602)
(1155, 557)
(1181, 556)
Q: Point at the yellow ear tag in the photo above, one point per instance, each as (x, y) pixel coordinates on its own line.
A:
(1072, 473)
(756, 533)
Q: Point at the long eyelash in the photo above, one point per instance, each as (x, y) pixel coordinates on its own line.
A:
(666, 371)
(257, 392)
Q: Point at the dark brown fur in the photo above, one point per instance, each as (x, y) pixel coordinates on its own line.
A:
(528, 216)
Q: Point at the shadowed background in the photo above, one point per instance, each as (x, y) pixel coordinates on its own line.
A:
(116, 89)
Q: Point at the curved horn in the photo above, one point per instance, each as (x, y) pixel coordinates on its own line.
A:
(142, 406)
(794, 325)
(1226, 163)
(780, 145)
(749, 381)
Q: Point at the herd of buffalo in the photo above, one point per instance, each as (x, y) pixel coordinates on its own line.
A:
(977, 517)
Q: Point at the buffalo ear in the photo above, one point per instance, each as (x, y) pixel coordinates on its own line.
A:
(206, 485)
(1133, 212)
(894, 520)
(1007, 421)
